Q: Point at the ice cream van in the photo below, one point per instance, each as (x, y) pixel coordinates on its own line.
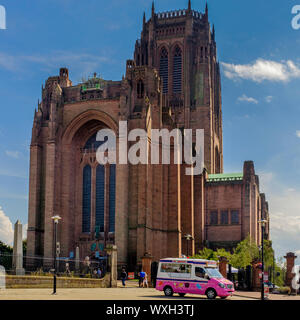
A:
(196, 276)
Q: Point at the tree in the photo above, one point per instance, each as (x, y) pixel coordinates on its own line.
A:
(6, 255)
(245, 252)
(268, 254)
(24, 247)
(243, 255)
(207, 254)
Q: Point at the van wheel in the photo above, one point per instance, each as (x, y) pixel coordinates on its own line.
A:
(211, 293)
(168, 291)
(181, 294)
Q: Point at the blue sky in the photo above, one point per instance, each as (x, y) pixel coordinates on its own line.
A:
(259, 53)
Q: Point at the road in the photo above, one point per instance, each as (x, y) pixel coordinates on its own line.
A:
(131, 292)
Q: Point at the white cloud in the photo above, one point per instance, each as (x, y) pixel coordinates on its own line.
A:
(12, 174)
(79, 62)
(244, 98)
(8, 62)
(284, 206)
(269, 99)
(13, 154)
(262, 70)
(298, 133)
(6, 229)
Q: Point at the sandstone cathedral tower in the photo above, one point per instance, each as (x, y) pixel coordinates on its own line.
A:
(172, 82)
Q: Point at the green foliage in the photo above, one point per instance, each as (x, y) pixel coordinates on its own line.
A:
(24, 247)
(4, 248)
(268, 254)
(41, 273)
(223, 253)
(245, 252)
(6, 256)
(207, 254)
(280, 267)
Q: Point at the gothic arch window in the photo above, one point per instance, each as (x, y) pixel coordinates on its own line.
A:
(112, 197)
(164, 69)
(177, 70)
(140, 89)
(92, 143)
(100, 196)
(86, 199)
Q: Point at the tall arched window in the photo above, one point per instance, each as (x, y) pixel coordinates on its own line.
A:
(86, 199)
(112, 197)
(92, 142)
(164, 69)
(100, 187)
(177, 70)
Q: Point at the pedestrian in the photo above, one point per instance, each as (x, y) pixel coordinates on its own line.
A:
(142, 277)
(145, 282)
(68, 272)
(123, 276)
(99, 273)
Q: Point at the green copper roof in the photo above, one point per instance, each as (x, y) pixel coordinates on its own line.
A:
(225, 177)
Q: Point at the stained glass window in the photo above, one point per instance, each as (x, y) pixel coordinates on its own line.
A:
(177, 70)
(92, 142)
(164, 69)
(86, 199)
(100, 186)
(112, 197)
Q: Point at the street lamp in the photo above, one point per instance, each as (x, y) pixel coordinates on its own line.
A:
(55, 222)
(262, 223)
(188, 237)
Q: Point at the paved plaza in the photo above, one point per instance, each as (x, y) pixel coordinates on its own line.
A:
(131, 292)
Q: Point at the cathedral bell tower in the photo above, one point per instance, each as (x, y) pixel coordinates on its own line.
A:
(181, 46)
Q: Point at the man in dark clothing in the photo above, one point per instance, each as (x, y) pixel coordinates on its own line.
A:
(123, 276)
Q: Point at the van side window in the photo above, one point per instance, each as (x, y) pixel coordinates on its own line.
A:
(175, 268)
(199, 272)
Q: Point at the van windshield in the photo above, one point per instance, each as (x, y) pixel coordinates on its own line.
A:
(213, 273)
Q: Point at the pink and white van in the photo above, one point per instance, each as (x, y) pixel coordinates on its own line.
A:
(196, 276)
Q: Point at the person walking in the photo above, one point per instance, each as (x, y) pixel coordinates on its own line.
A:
(142, 277)
(123, 277)
(145, 282)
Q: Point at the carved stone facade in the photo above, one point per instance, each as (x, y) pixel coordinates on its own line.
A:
(172, 82)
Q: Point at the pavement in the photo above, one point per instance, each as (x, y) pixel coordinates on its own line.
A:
(130, 292)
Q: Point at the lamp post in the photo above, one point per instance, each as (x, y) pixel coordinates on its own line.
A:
(188, 237)
(55, 221)
(262, 223)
